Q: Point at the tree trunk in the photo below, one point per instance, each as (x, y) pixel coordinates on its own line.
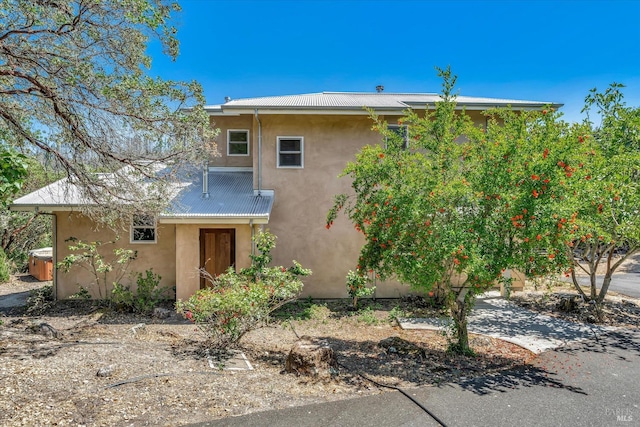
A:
(577, 285)
(605, 286)
(460, 322)
(592, 283)
(459, 309)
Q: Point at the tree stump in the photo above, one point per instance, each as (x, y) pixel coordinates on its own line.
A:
(568, 303)
(399, 346)
(312, 358)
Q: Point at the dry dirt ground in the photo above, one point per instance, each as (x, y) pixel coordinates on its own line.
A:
(157, 372)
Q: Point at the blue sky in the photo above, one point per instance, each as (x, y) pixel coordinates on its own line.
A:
(535, 50)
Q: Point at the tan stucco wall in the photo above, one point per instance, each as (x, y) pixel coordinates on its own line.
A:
(240, 123)
(187, 257)
(159, 256)
(175, 256)
(304, 196)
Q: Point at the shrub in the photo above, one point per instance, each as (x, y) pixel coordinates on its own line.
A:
(4, 267)
(122, 297)
(368, 317)
(357, 286)
(39, 300)
(82, 295)
(103, 268)
(147, 296)
(236, 303)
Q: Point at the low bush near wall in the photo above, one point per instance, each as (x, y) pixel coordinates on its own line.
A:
(107, 269)
(236, 303)
(357, 286)
(147, 296)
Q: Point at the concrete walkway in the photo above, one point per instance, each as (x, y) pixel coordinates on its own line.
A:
(496, 317)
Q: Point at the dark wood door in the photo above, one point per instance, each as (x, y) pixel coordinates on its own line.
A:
(217, 251)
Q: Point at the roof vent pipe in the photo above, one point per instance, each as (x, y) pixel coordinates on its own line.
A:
(205, 180)
(379, 88)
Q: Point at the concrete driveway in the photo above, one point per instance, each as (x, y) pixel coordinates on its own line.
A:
(496, 317)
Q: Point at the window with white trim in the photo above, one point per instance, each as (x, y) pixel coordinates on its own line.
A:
(237, 142)
(290, 152)
(143, 229)
(403, 132)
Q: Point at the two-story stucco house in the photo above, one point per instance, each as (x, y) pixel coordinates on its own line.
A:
(281, 157)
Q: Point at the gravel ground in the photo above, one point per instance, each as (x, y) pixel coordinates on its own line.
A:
(157, 372)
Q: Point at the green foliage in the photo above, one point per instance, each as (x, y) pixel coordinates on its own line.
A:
(368, 316)
(147, 296)
(302, 310)
(76, 87)
(107, 271)
(357, 286)
(395, 313)
(148, 292)
(82, 295)
(122, 297)
(39, 300)
(13, 171)
(236, 303)
(4, 268)
(463, 203)
(21, 232)
(264, 242)
(606, 188)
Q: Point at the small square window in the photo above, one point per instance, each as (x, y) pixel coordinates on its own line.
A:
(403, 132)
(237, 142)
(290, 152)
(143, 229)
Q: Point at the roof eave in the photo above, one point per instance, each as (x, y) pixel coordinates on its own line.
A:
(213, 219)
(352, 111)
(28, 207)
(236, 111)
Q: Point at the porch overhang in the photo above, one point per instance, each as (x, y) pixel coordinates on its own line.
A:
(213, 220)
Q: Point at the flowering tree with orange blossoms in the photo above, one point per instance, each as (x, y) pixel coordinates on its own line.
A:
(577, 196)
(606, 190)
(461, 204)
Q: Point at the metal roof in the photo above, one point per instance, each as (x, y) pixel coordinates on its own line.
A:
(231, 196)
(59, 193)
(359, 100)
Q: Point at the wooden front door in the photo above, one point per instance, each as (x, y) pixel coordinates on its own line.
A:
(217, 251)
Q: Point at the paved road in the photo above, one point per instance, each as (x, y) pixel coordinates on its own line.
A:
(10, 301)
(591, 383)
(622, 283)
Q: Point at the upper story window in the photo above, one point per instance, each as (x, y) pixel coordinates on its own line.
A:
(403, 132)
(143, 229)
(237, 142)
(290, 152)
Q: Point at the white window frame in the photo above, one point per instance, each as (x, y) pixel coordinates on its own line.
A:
(134, 227)
(301, 152)
(229, 143)
(394, 128)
